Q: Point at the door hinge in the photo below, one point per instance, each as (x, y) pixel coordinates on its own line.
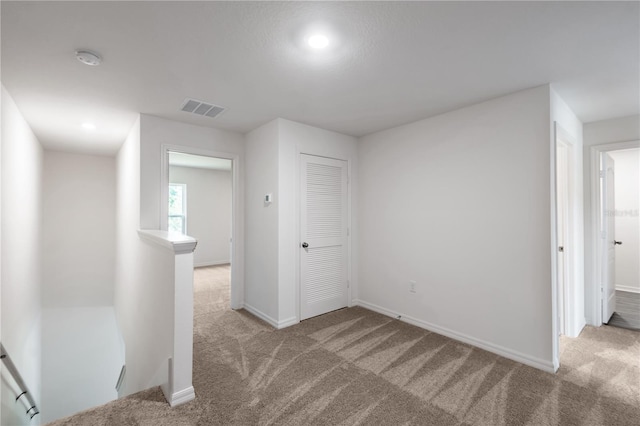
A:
(601, 173)
(348, 232)
(348, 284)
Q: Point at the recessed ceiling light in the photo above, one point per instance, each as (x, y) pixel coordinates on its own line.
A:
(88, 58)
(88, 126)
(318, 41)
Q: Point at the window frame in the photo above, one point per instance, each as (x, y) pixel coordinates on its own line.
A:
(183, 186)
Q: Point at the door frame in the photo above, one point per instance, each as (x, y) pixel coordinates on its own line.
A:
(298, 233)
(568, 310)
(566, 290)
(237, 264)
(597, 245)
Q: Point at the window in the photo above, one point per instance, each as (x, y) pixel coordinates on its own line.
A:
(178, 207)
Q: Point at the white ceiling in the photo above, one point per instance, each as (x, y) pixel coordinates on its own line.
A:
(198, 161)
(389, 63)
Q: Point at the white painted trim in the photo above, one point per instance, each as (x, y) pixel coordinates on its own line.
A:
(287, 322)
(178, 243)
(184, 206)
(181, 397)
(555, 326)
(269, 320)
(496, 349)
(628, 288)
(237, 214)
(212, 263)
(258, 313)
(563, 138)
(296, 202)
(581, 325)
(594, 311)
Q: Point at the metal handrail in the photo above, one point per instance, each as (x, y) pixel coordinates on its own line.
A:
(24, 391)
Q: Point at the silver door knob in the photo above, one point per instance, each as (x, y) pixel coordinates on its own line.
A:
(305, 245)
(617, 243)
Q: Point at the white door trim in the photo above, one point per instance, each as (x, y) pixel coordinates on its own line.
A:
(594, 309)
(237, 259)
(349, 161)
(564, 236)
(563, 138)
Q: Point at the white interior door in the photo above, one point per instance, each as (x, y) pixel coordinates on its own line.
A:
(562, 194)
(608, 234)
(323, 246)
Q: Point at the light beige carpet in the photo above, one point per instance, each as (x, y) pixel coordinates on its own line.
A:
(355, 366)
(211, 289)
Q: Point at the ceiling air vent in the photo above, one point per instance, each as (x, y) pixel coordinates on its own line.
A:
(195, 106)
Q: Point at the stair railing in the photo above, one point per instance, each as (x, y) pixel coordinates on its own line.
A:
(24, 392)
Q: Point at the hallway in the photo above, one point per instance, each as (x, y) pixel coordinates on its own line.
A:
(211, 291)
(354, 366)
(627, 314)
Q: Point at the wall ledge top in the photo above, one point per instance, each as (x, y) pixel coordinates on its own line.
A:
(174, 241)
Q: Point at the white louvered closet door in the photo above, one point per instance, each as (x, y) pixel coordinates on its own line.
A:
(323, 245)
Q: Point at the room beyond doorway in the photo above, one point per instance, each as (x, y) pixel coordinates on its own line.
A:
(212, 208)
(619, 217)
(200, 194)
(211, 289)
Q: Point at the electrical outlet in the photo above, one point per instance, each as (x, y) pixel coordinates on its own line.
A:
(412, 286)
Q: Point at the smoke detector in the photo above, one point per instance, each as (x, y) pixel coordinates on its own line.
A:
(88, 58)
(206, 109)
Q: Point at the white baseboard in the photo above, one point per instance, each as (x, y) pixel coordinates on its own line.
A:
(181, 397)
(288, 322)
(271, 321)
(258, 313)
(580, 326)
(628, 288)
(496, 349)
(211, 263)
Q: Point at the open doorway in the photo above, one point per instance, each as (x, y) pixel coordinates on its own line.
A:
(199, 203)
(568, 316)
(619, 225)
(603, 354)
(604, 232)
(567, 241)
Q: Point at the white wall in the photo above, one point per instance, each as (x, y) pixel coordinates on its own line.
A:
(78, 230)
(154, 132)
(272, 255)
(81, 361)
(21, 254)
(261, 222)
(79, 335)
(144, 292)
(599, 133)
(127, 223)
(208, 211)
(627, 226)
(460, 203)
(570, 130)
(614, 130)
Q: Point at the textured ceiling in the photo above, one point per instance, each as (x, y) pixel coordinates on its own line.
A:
(389, 63)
